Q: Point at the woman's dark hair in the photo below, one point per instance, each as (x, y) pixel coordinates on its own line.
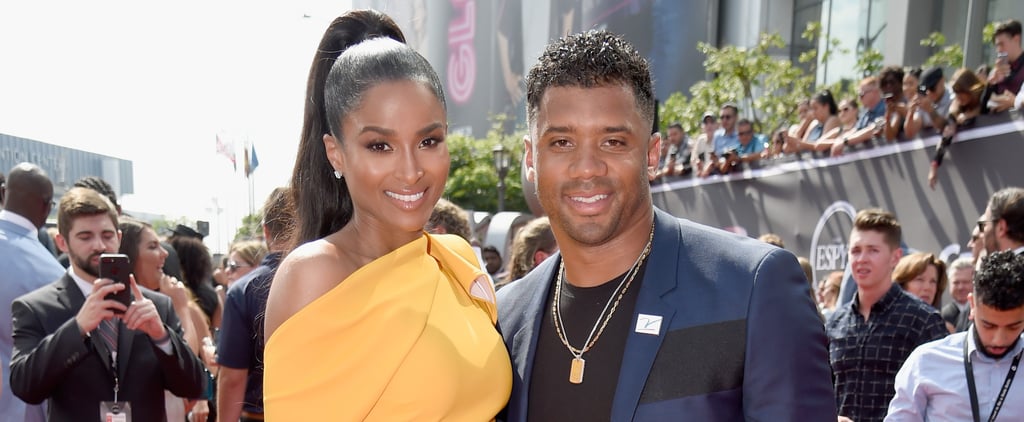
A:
(825, 98)
(131, 232)
(197, 271)
(359, 50)
(913, 71)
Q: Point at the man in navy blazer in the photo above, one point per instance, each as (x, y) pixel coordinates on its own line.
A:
(25, 265)
(643, 316)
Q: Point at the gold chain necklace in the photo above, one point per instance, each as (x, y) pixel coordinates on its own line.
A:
(578, 363)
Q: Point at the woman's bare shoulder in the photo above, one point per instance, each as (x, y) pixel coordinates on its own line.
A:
(308, 272)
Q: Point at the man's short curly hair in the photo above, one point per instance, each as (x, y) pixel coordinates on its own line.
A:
(1000, 282)
(591, 59)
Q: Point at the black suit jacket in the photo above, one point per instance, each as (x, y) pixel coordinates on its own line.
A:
(52, 360)
(951, 314)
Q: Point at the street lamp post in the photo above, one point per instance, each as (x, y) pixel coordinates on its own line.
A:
(501, 164)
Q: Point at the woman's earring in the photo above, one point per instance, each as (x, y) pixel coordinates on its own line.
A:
(337, 174)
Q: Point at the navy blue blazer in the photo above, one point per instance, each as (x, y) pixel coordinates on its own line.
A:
(740, 339)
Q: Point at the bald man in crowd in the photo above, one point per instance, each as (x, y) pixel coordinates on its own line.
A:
(26, 264)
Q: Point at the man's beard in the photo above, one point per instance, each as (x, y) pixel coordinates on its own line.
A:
(86, 264)
(984, 350)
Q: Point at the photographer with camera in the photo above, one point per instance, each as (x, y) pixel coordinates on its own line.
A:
(931, 105)
(751, 148)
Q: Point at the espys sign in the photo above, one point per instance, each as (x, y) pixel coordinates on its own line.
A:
(828, 243)
(810, 203)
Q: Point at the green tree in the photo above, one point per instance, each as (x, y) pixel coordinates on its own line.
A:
(947, 56)
(251, 227)
(869, 62)
(988, 32)
(766, 88)
(473, 180)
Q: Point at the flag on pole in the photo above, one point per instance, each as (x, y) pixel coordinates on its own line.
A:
(227, 149)
(253, 161)
(245, 157)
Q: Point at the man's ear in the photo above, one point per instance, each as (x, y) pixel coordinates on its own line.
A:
(62, 243)
(971, 305)
(653, 155)
(529, 160)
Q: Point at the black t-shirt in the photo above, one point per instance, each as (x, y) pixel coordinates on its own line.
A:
(552, 397)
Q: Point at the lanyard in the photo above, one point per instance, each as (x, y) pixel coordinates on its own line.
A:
(974, 392)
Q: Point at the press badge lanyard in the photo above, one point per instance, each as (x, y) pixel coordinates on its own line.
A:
(974, 392)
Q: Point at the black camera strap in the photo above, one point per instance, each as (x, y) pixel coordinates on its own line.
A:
(974, 391)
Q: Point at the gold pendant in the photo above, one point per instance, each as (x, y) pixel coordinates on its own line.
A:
(576, 370)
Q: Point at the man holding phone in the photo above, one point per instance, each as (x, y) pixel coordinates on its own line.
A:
(73, 349)
(930, 107)
(1007, 76)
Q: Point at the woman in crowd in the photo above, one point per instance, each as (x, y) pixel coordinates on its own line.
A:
(970, 99)
(142, 246)
(826, 113)
(923, 275)
(847, 126)
(532, 245)
(704, 146)
(243, 257)
(806, 116)
(197, 271)
(911, 79)
(370, 318)
(826, 117)
(828, 293)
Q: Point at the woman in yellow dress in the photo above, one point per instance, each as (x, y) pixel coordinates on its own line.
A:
(371, 318)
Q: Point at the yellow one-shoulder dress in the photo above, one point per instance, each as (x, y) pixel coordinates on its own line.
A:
(409, 336)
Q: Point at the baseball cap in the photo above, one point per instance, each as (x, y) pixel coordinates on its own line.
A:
(930, 77)
(707, 115)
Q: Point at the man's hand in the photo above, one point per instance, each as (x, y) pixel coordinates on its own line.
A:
(924, 103)
(999, 72)
(142, 315)
(1002, 101)
(96, 308)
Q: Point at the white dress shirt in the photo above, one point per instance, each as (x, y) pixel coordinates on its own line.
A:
(932, 384)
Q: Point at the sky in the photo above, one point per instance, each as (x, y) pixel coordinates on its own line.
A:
(156, 83)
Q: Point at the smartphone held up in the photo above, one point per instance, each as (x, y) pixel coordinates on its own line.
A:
(117, 267)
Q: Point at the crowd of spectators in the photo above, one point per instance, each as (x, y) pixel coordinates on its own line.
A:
(895, 105)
